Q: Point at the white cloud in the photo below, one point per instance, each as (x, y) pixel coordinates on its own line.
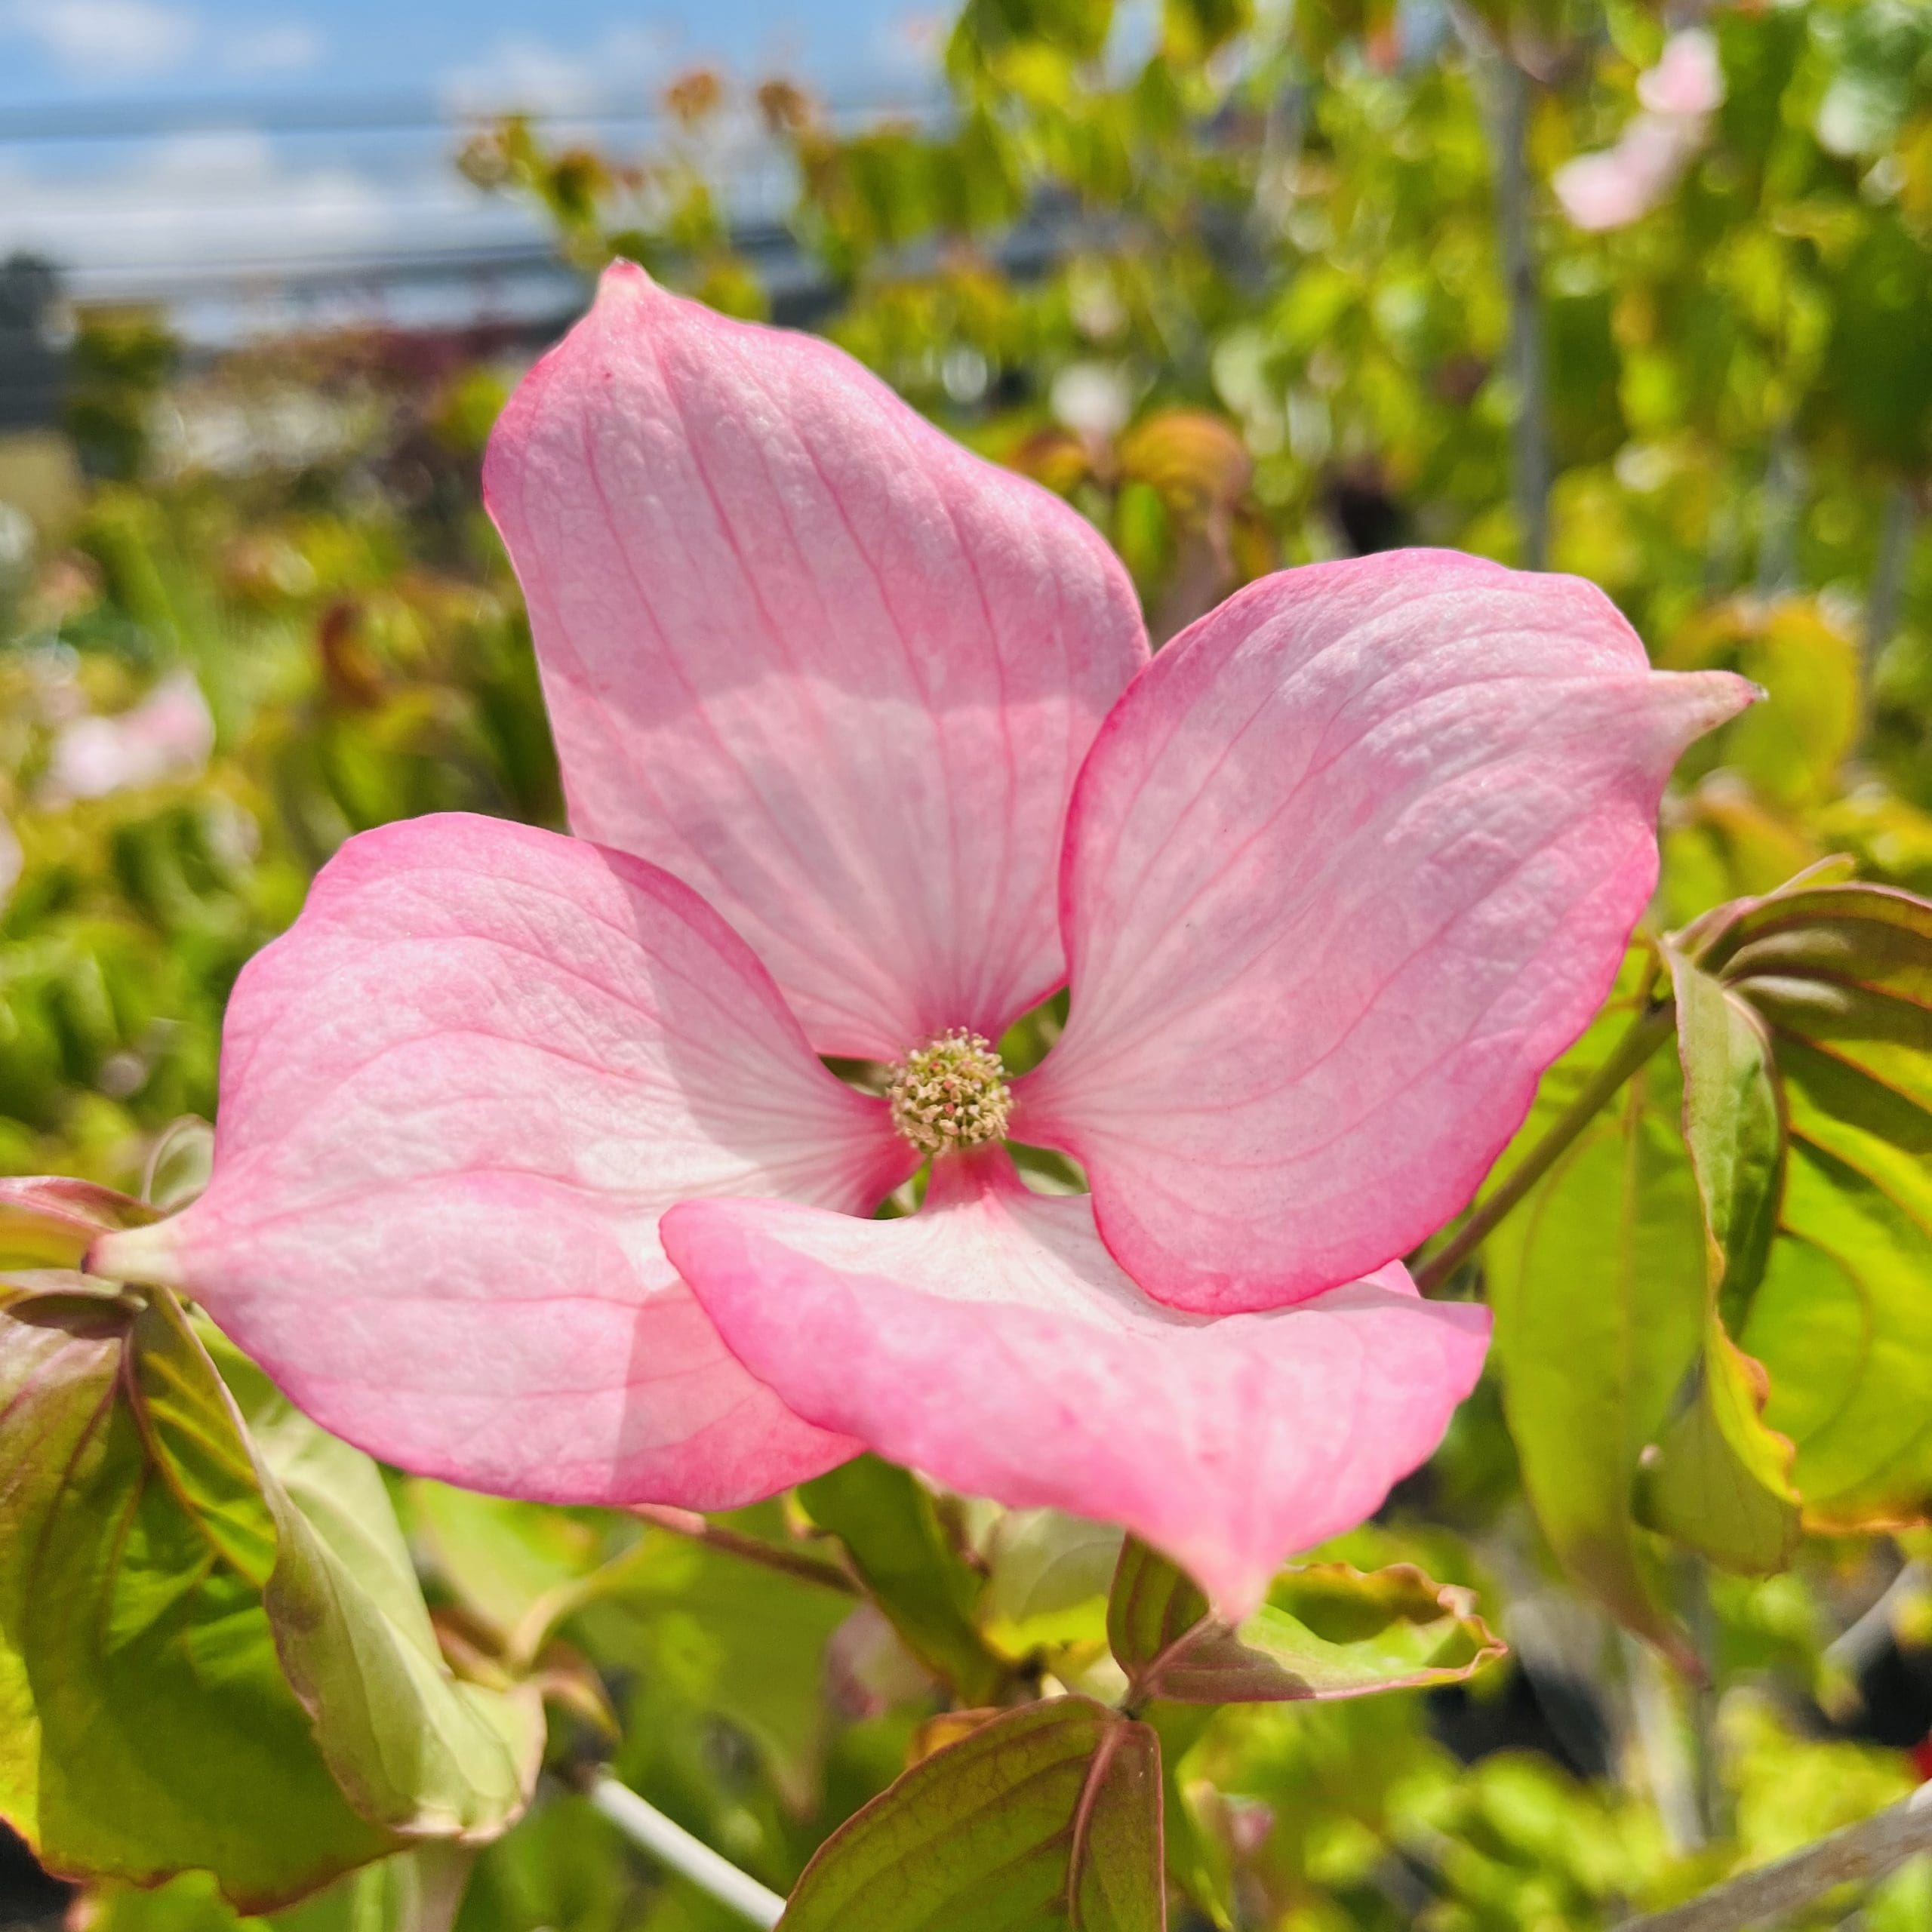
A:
(522, 73)
(278, 47)
(106, 39)
(200, 198)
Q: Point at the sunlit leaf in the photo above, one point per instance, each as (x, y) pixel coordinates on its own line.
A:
(1327, 1630)
(1842, 976)
(1719, 1481)
(1733, 1125)
(1598, 1284)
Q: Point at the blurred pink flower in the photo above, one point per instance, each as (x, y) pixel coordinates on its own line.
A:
(1688, 80)
(529, 1173)
(169, 734)
(1623, 183)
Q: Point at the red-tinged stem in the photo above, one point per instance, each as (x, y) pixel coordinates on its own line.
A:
(797, 1563)
(1648, 1033)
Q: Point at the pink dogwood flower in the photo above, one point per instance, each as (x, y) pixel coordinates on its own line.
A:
(1621, 184)
(530, 1172)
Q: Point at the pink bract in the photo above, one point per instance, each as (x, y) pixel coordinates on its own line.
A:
(528, 1173)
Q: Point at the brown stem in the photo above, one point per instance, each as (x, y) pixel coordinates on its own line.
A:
(1860, 1855)
(1648, 1033)
(797, 1563)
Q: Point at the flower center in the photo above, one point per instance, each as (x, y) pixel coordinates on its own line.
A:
(951, 1092)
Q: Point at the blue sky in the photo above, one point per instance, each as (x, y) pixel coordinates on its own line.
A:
(180, 167)
(57, 50)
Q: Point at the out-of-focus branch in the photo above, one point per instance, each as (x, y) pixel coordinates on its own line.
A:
(1780, 514)
(1861, 1855)
(1513, 99)
(1887, 595)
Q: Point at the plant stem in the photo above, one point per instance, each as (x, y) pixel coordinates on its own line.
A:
(1886, 592)
(1514, 96)
(691, 1858)
(1781, 514)
(806, 1568)
(1861, 1854)
(1646, 1033)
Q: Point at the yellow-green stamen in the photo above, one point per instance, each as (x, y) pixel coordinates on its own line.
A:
(951, 1092)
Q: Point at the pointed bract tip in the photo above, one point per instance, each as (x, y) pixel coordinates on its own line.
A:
(624, 279)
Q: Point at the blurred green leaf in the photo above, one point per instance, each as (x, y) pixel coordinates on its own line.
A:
(727, 1635)
(892, 1532)
(1046, 1817)
(1047, 1577)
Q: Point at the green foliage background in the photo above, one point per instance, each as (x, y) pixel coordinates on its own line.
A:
(1238, 288)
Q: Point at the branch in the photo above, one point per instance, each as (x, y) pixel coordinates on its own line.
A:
(1861, 1855)
(1647, 1034)
(1886, 594)
(691, 1858)
(1529, 426)
(807, 1569)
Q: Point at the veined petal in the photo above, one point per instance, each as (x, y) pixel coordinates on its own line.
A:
(1355, 860)
(992, 1341)
(455, 1096)
(809, 655)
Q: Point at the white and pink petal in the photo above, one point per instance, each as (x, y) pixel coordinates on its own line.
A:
(455, 1097)
(991, 1341)
(1352, 861)
(808, 653)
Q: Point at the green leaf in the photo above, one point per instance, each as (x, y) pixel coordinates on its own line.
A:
(1327, 1630)
(412, 1891)
(1842, 975)
(306, 1518)
(1733, 1125)
(892, 1532)
(213, 1654)
(1046, 1820)
(146, 1726)
(1598, 1285)
(1719, 1481)
(1842, 1323)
